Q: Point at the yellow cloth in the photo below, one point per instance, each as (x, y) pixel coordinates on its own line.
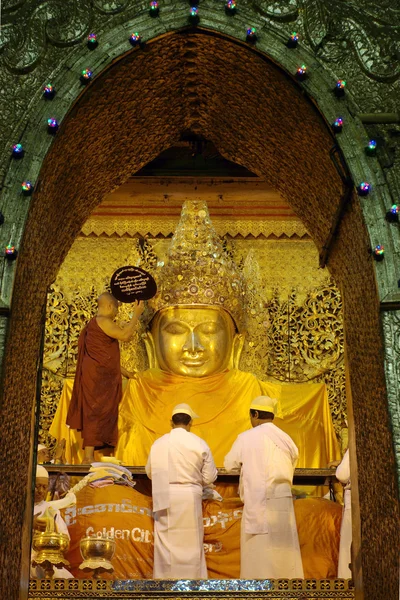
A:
(222, 401)
(60, 430)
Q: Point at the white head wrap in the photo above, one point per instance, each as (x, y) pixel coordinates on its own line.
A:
(185, 409)
(264, 403)
(41, 472)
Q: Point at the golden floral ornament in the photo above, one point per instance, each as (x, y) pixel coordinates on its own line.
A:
(198, 271)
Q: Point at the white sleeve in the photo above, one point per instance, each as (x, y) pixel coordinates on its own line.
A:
(209, 470)
(233, 460)
(343, 470)
(148, 466)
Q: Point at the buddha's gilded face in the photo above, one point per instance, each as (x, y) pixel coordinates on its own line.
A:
(193, 341)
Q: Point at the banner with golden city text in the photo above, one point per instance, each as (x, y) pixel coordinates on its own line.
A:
(125, 515)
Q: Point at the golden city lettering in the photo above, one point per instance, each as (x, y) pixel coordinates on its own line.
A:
(135, 535)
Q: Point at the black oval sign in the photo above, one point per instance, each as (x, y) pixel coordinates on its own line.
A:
(132, 283)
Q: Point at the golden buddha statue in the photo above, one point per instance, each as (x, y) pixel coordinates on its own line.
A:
(197, 325)
(194, 343)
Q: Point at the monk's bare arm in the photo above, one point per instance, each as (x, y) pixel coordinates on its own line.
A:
(123, 334)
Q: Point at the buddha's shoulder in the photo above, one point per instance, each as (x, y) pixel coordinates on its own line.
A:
(239, 378)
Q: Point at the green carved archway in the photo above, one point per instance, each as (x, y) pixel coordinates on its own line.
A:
(28, 69)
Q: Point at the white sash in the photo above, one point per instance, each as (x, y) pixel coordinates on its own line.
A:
(159, 457)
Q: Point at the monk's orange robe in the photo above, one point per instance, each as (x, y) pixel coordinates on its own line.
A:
(97, 388)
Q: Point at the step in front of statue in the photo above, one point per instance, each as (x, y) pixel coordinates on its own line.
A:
(105, 589)
(301, 476)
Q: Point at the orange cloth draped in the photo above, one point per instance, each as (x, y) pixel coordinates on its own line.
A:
(222, 401)
(318, 525)
(119, 512)
(97, 389)
(126, 514)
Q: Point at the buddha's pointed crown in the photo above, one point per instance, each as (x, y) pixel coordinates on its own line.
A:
(198, 270)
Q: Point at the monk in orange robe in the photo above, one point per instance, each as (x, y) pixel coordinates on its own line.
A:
(97, 389)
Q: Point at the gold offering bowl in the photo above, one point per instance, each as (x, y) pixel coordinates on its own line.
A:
(97, 553)
(50, 547)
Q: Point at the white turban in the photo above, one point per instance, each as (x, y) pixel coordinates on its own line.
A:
(41, 472)
(265, 404)
(184, 409)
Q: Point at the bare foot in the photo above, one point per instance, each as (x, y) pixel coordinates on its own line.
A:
(88, 455)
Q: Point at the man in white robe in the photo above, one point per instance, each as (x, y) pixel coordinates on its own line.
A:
(43, 454)
(180, 465)
(59, 483)
(266, 457)
(343, 474)
(40, 506)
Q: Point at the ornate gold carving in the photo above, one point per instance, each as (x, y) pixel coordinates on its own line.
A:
(198, 270)
(154, 227)
(91, 262)
(56, 333)
(55, 352)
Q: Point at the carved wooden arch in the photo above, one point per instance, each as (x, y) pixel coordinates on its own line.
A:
(258, 117)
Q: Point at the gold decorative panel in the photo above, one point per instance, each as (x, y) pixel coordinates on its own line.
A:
(100, 226)
(212, 589)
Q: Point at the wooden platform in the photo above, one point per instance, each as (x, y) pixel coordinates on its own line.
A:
(301, 476)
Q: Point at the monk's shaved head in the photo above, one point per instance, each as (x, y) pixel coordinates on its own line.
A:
(106, 298)
(107, 305)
